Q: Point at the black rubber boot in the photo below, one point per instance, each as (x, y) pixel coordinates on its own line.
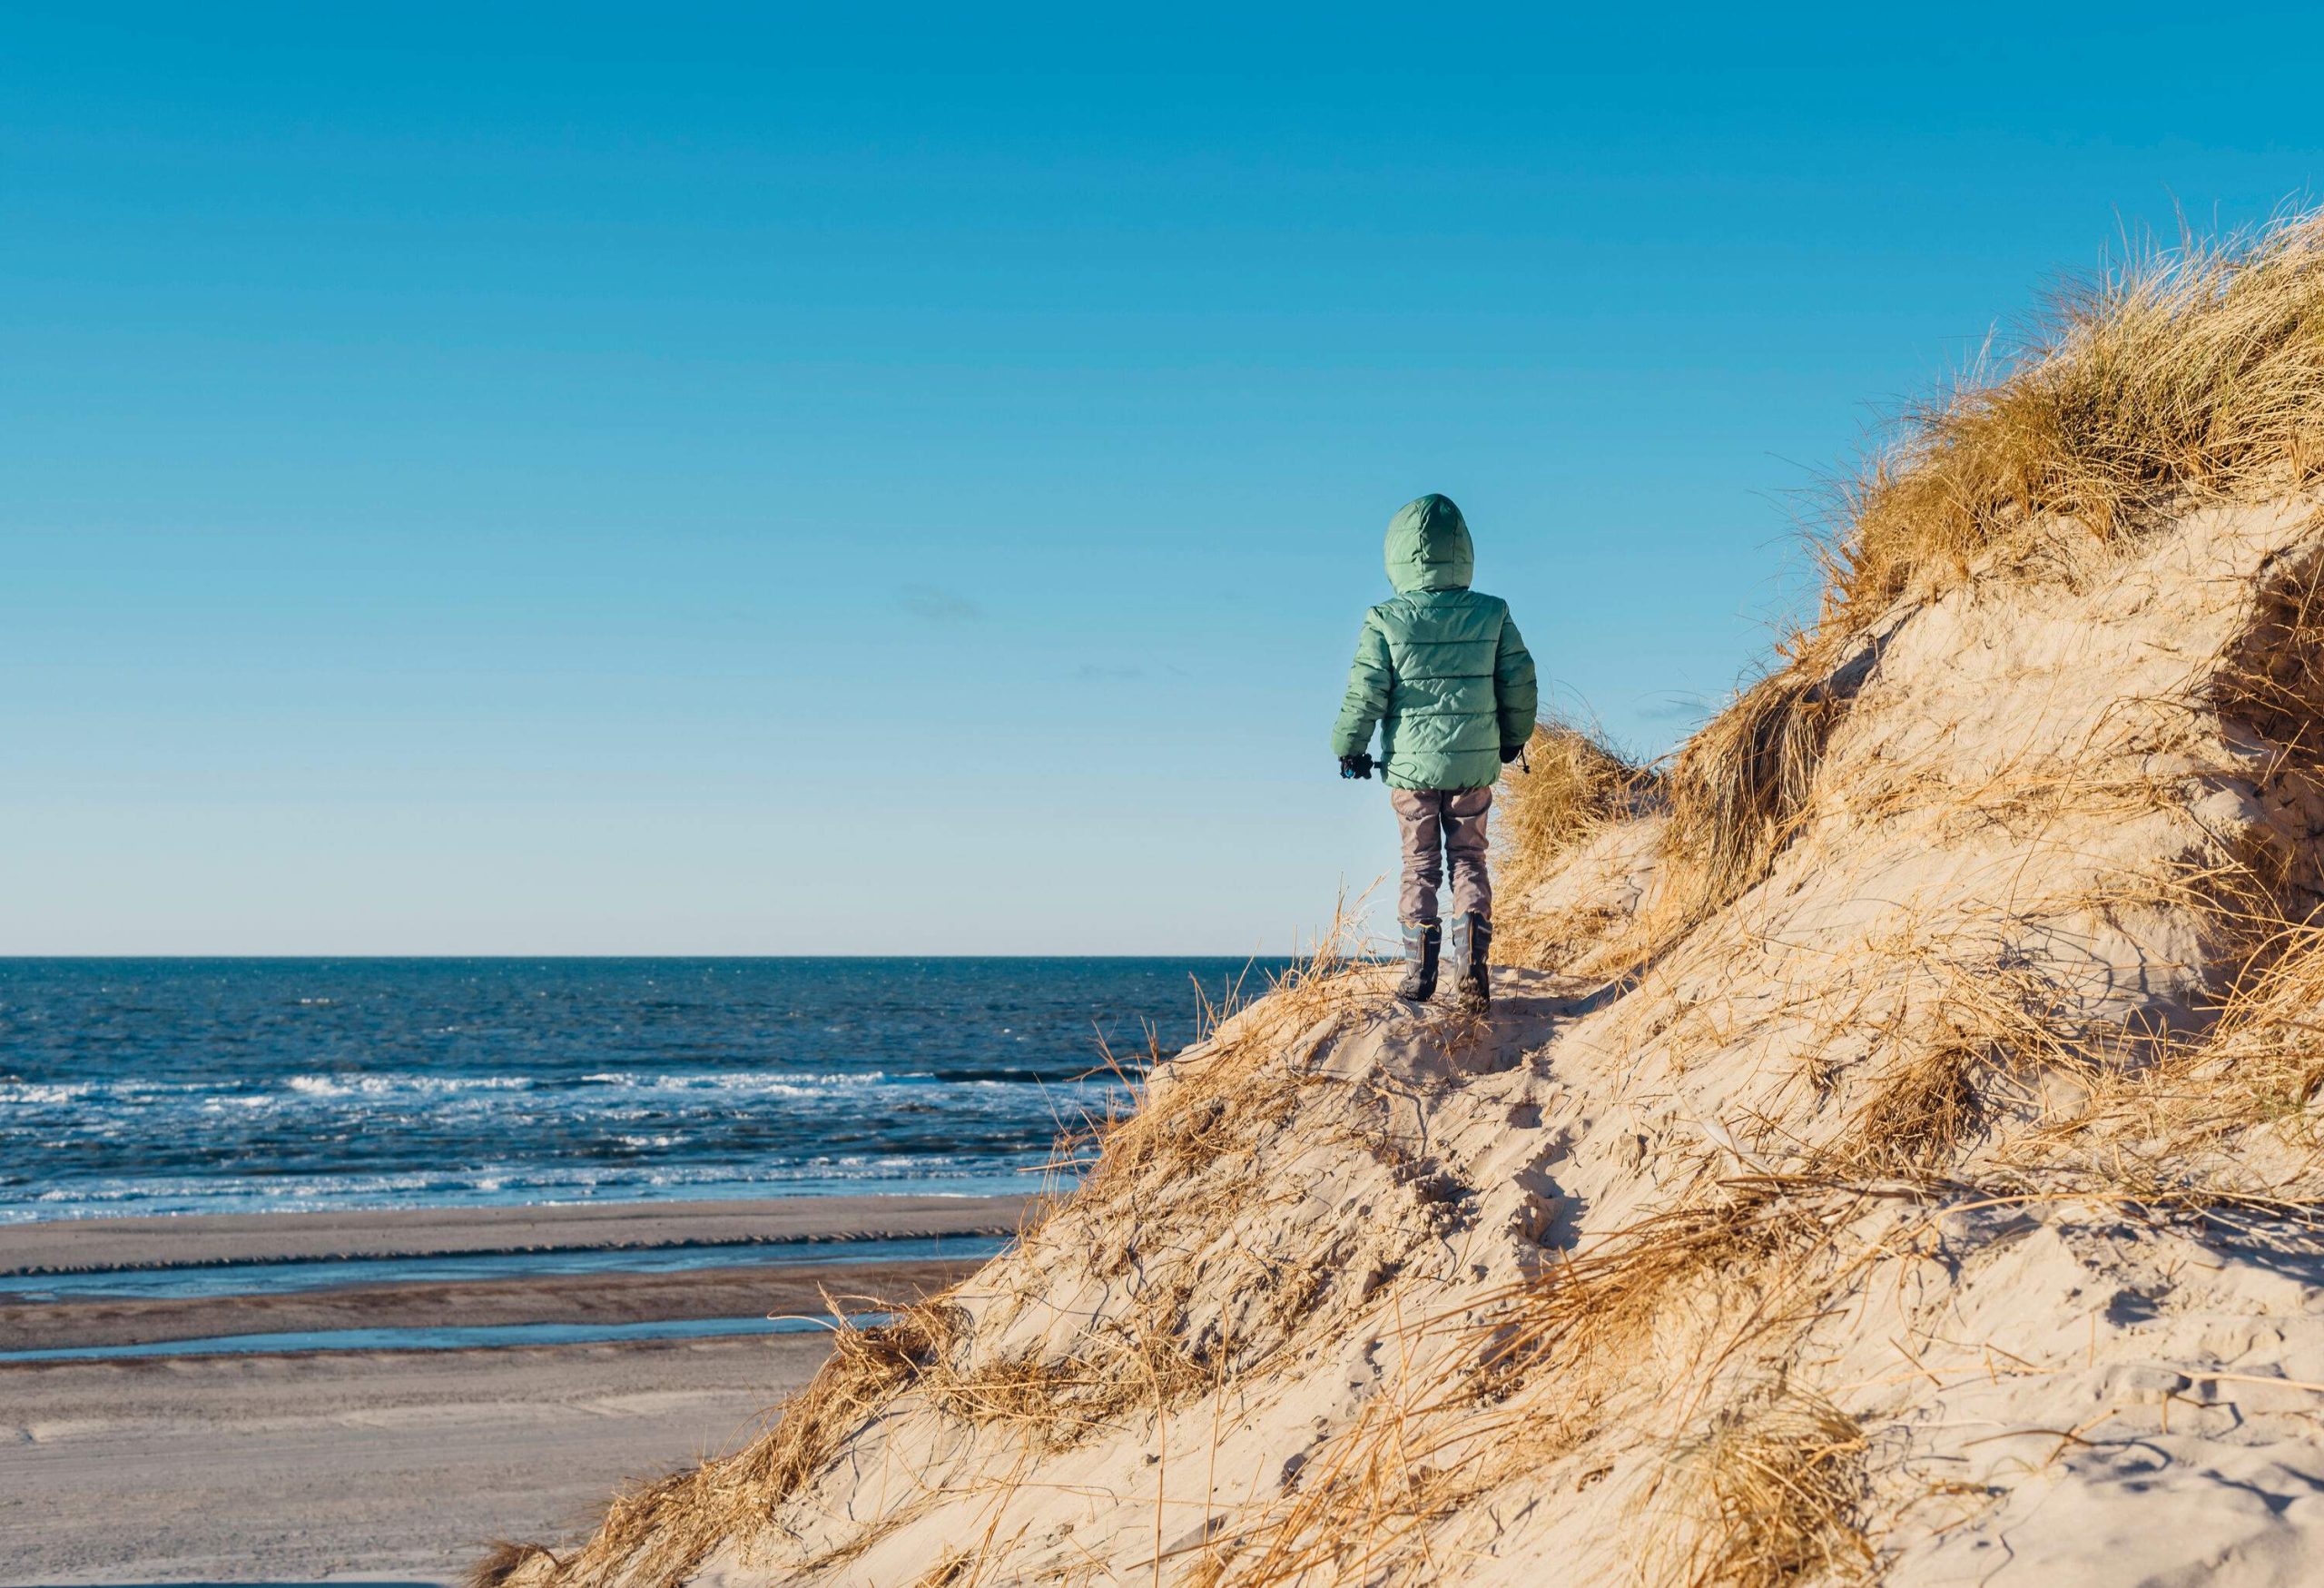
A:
(1422, 941)
(1472, 962)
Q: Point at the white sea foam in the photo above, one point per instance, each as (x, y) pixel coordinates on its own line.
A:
(37, 1096)
(746, 1079)
(390, 1083)
(56, 1093)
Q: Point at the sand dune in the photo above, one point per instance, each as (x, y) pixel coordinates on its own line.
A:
(1898, 1159)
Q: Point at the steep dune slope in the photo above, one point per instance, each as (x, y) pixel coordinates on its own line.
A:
(1896, 1162)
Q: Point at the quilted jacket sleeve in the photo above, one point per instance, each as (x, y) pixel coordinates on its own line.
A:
(1515, 686)
(1368, 684)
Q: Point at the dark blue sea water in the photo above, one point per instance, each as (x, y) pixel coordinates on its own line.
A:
(154, 1086)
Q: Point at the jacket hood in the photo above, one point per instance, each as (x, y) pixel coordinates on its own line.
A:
(1428, 547)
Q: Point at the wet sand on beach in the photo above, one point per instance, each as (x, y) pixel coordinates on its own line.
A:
(400, 1464)
(239, 1469)
(76, 1245)
(805, 1290)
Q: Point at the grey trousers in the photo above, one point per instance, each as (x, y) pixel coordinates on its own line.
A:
(1437, 822)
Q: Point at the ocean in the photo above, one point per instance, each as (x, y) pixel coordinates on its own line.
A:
(134, 1086)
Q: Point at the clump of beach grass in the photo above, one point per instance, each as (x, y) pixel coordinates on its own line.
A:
(503, 1558)
(2272, 681)
(1773, 1488)
(655, 1534)
(1595, 1308)
(2186, 1123)
(1225, 1092)
(1740, 788)
(1570, 783)
(2184, 374)
(2195, 370)
(2270, 1038)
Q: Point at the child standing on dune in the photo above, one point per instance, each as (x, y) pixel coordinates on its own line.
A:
(1441, 671)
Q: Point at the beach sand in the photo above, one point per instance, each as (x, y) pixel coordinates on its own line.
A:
(1907, 1174)
(395, 1465)
(379, 1466)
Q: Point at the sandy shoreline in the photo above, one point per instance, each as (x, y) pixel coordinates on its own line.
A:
(399, 1464)
(67, 1246)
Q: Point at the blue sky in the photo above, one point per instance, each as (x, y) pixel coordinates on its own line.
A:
(732, 479)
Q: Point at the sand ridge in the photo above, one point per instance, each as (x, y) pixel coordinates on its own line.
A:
(1835, 1217)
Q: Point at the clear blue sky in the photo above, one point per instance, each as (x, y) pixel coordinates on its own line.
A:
(683, 478)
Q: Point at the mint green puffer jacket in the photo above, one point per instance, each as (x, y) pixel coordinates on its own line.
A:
(1439, 668)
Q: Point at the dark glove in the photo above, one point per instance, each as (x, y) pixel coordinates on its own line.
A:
(1356, 765)
(1510, 753)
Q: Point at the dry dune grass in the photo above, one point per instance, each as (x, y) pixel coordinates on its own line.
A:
(2274, 681)
(1555, 1364)
(1143, 1359)
(1976, 1043)
(1923, 1111)
(2234, 1114)
(1570, 786)
(1571, 783)
(501, 1559)
(1226, 1091)
(655, 1534)
(1586, 1315)
(2188, 373)
(2197, 369)
(2265, 1059)
(1739, 786)
(2177, 1118)
(1171, 1176)
(1773, 1489)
